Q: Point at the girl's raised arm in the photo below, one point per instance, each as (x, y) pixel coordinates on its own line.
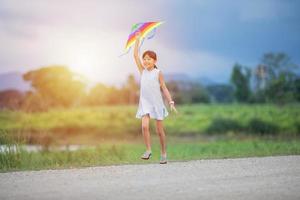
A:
(136, 53)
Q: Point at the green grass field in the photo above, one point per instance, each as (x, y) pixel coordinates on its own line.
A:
(129, 153)
(116, 121)
(199, 131)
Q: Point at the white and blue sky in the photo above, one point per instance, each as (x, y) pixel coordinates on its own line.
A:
(201, 38)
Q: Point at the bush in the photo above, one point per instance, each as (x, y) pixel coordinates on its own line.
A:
(258, 126)
(221, 125)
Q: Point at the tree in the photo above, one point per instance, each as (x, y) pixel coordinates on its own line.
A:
(176, 92)
(11, 99)
(281, 90)
(98, 95)
(297, 88)
(277, 64)
(131, 90)
(280, 78)
(240, 78)
(198, 93)
(260, 77)
(222, 93)
(187, 92)
(56, 85)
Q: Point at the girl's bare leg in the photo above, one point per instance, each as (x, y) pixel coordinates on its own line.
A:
(146, 131)
(162, 137)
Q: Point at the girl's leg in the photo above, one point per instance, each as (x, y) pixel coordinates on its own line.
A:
(162, 137)
(146, 131)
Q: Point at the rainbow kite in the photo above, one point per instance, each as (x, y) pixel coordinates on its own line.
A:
(147, 30)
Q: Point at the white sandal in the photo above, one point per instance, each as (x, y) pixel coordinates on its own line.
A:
(146, 155)
(163, 159)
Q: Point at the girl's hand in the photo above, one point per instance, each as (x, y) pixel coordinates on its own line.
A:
(138, 35)
(172, 106)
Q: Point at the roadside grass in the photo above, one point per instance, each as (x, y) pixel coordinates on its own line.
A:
(129, 153)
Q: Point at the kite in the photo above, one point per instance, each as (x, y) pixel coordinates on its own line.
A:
(147, 30)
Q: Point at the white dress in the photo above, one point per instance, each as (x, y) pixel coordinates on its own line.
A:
(151, 100)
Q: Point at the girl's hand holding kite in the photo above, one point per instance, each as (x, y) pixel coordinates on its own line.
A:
(138, 35)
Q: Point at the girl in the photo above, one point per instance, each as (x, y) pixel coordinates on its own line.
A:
(151, 104)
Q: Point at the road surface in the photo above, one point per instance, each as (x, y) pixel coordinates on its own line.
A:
(244, 178)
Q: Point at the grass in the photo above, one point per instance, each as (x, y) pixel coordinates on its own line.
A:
(200, 131)
(118, 121)
(129, 153)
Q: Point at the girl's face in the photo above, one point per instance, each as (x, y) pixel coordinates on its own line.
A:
(148, 62)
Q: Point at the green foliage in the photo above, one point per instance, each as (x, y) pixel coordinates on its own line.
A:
(297, 89)
(254, 126)
(101, 94)
(220, 125)
(240, 78)
(184, 92)
(10, 156)
(258, 126)
(276, 81)
(277, 64)
(53, 86)
(246, 121)
(120, 121)
(278, 73)
(221, 93)
(124, 153)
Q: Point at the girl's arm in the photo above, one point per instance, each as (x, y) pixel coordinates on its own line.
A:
(136, 53)
(164, 87)
(166, 91)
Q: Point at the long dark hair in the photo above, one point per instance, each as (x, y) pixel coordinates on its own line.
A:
(151, 54)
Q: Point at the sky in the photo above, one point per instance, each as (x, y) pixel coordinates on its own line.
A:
(203, 38)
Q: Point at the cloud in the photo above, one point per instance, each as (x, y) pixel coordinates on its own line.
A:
(195, 63)
(92, 14)
(88, 36)
(199, 38)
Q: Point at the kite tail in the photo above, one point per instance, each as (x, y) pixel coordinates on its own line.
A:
(151, 34)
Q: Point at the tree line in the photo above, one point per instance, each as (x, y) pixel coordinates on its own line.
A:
(273, 80)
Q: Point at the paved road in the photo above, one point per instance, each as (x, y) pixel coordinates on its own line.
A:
(247, 178)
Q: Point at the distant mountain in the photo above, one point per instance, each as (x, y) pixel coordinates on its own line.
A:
(176, 77)
(205, 81)
(13, 80)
